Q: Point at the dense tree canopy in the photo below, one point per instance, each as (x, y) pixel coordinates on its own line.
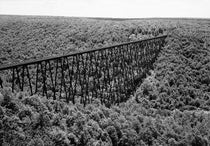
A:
(170, 107)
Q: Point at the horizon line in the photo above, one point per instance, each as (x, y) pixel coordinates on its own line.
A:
(97, 17)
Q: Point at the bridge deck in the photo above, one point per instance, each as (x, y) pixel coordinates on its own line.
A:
(5, 67)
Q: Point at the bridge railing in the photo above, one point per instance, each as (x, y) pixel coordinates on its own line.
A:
(110, 74)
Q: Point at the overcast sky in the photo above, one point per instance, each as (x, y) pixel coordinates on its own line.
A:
(108, 8)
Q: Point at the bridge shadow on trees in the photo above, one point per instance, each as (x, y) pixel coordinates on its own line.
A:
(110, 74)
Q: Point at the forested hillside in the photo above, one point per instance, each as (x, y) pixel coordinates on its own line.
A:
(181, 78)
(26, 38)
(170, 107)
(33, 120)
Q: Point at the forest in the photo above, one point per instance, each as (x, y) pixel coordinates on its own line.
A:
(170, 107)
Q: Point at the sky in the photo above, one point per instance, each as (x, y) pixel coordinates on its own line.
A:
(108, 8)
